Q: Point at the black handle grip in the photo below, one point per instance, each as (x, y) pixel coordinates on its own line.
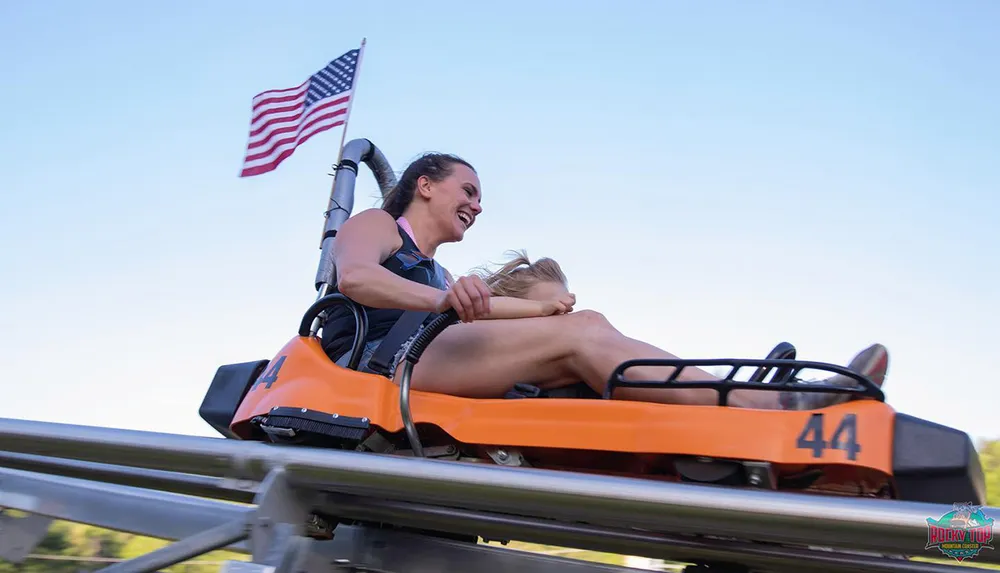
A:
(360, 323)
(428, 334)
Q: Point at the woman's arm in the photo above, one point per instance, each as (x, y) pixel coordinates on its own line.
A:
(363, 242)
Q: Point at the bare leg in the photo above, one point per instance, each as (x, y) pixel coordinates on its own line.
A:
(608, 348)
(484, 359)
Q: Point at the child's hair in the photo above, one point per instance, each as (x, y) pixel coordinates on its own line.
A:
(520, 274)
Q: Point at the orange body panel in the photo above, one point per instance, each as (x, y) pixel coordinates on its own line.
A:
(308, 379)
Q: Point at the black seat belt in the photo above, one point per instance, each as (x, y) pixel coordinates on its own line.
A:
(400, 332)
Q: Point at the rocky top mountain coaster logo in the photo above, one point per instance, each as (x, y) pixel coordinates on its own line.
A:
(961, 533)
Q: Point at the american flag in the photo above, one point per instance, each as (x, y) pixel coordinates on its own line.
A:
(283, 119)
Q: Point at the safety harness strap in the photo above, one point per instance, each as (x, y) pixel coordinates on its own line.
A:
(400, 332)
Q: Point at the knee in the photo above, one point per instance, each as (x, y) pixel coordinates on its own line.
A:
(590, 318)
(590, 326)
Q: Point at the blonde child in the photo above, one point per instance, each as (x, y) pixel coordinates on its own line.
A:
(524, 289)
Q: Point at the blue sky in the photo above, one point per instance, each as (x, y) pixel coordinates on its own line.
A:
(715, 178)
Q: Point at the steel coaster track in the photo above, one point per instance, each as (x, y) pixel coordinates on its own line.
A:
(91, 474)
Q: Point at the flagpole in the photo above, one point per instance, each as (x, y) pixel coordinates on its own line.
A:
(350, 104)
(340, 155)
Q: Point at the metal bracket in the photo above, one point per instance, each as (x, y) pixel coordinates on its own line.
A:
(449, 452)
(376, 442)
(507, 457)
(760, 474)
(283, 515)
(280, 528)
(20, 535)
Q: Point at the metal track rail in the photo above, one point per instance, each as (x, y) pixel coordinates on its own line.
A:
(681, 548)
(202, 525)
(189, 484)
(504, 501)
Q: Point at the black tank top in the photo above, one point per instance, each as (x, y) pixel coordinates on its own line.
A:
(407, 262)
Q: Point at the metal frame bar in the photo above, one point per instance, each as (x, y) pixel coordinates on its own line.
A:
(281, 509)
(790, 368)
(217, 537)
(121, 508)
(766, 516)
(561, 508)
(679, 548)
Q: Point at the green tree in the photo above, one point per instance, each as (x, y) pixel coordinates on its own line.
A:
(989, 457)
(58, 541)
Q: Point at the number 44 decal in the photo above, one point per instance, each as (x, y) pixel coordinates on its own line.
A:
(844, 437)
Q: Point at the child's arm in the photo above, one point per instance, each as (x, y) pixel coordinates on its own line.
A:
(508, 307)
(502, 307)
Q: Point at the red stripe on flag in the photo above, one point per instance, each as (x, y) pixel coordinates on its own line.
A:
(297, 119)
(302, 129)
(302, 124)
(262, 97)
(277, 133)
(271, 166)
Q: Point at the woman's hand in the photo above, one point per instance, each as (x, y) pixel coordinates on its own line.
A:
(469, 296)
(562, 304)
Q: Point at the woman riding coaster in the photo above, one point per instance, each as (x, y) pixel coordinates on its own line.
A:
(385, 263)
